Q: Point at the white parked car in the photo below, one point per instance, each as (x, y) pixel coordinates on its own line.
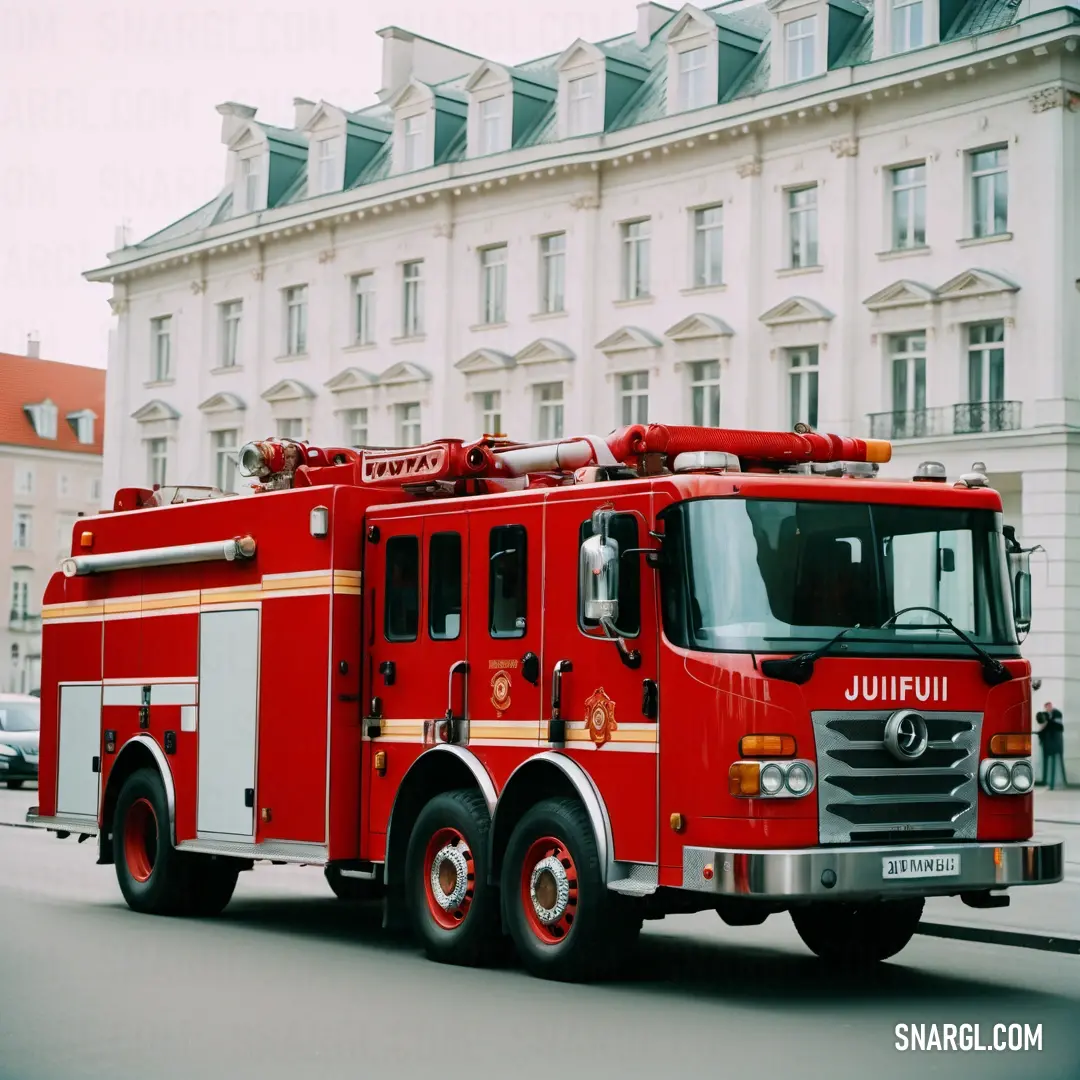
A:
(20, 724)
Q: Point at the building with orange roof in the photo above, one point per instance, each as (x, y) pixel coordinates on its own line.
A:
(52, 418)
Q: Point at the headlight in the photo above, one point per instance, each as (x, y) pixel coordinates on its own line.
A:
(798, 779)
(8, 751)
(1022, 776)
(772, 779)
(998, 777)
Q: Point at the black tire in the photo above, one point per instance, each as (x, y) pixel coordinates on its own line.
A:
(858, 935)
(211, 882)
(467, 934)
(351, 889)
(14, 785)
(152, 874)
(596, 929)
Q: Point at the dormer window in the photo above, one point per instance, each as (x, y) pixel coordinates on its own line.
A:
(43, 417)
(800, 48)
(907, 25)
(249, 184)
(82, 424)
(327, 166)
(492, 126)
(581, 106)
(693, 78)
(412, 130)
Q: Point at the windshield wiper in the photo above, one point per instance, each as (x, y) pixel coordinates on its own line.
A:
(994, 671)
(798, 669)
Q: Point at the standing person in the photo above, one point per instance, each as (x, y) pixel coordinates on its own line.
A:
(1041, 720)
(1052, 736)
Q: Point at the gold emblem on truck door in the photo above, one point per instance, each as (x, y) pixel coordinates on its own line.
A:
(600, 716)
(500, 692)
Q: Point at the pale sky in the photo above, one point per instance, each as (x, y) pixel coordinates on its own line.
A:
(107, 114)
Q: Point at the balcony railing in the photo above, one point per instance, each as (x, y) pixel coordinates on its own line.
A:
(965, 418)
(21, 620)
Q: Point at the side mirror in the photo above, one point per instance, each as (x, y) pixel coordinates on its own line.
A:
(1020, 574)
(599, 572)
(948, 561)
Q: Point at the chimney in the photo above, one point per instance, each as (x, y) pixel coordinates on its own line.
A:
(304, 111)
(33, 346)
(397, 60)
(233, 118)
(122, 235)
(650, 17)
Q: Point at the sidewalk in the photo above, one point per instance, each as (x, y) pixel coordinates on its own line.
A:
(1061, 806)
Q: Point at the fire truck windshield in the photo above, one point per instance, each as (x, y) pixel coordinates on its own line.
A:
(768, 575)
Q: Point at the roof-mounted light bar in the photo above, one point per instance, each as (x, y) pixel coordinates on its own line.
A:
(239, 547)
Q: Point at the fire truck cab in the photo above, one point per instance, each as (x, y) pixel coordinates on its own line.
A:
(544, 692)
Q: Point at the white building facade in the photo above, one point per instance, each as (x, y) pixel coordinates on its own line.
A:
(865, 218)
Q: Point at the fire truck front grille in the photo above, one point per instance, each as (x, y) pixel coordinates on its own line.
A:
(867, 796)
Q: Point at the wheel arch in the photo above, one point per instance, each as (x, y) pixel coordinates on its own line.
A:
(139, 752)
(441, 768)
(543, 776)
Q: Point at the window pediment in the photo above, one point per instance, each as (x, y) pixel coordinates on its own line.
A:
(222, 402)
(403, 373)
(796, 309)
(488, 76)
(628, 339)
(973, 283)
(413, 95)
(484, 360)
(580, 54)
(352, 378)
(698, 327)
(690, 23)
(154, 411)
(288, 390)
(903, 293)
(543, 351)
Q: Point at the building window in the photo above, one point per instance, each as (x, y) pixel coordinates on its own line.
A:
(290, 427)
(84, 428)
(693, 79)
(157, 454)
(444, 586)
(402, 612)
(24, 481)
(553, 273)
(20, 598)
(708, 246)
(908, 206)
(490, 403)
(230, 333)
(364, 309)
(161, 349)
(800, 37)
(705, 393)
(356, 427)
(635, 237)
(803, 385)
(43, 417)
(491, 125)
(296, 320)
(327, 166)
(65, 525)
(224, 447)
(907, 25)
(581, 106)
(634, 398)
(412, 323)
(990, 191)
(22, 532)
(249, 179)
(63, 485)
(907, 357)
(986, 362)
(413, 131)
(803, 227)
(507, 581)
(408, 424)
(493, 284)
(549, 402)
(95, 490)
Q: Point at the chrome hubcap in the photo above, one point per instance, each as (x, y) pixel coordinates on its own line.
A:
(449, 877)
(549, 889)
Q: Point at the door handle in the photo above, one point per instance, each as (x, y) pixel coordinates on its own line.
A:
(453, 729)
(388, 670)
(557, 725)
(459, 667)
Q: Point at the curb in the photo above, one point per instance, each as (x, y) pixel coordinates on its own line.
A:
(1059, 943)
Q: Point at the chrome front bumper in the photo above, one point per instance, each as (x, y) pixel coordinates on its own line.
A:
(855, 873)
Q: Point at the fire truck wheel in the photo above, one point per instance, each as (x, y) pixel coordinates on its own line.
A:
(151, 872)
(565, 923)
(14, 785)
(858, 934)
(453, 910)
(211, 882)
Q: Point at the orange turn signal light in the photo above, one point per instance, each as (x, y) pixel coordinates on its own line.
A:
(744, 779)
(1014, 745)
(767, 746)
(86, 540)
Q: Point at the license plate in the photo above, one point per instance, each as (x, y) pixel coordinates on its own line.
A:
(920, 866)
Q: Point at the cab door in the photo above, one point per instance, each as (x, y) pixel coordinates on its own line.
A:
(607, 709)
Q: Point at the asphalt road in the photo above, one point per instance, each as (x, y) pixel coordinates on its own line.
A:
(290, 983)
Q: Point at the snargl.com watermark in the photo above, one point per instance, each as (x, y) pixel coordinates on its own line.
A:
(1016, 1038)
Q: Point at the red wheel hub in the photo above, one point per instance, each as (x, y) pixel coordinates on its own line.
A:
(140, 839)
(549, 889)
(450, 878)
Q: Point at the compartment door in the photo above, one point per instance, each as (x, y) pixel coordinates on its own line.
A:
(228, 712)
(78, 785)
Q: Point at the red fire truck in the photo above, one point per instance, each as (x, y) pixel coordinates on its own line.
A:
(547, 691)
